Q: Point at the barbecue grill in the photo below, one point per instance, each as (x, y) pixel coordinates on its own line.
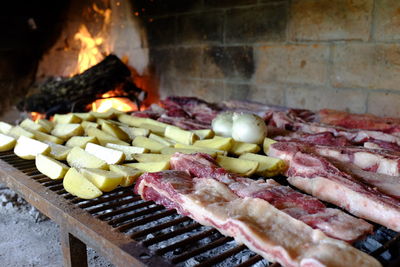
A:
(130, 231)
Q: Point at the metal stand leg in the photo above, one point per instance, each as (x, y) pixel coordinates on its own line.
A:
(74, 250)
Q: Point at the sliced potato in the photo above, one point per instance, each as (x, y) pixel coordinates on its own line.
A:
(5, 127)
(104, 180)
(128, 150)
(31, 125)
(130, 174)
(153, 128)
(161, 140)
(204, 134)
(87, 124)
(58, 152)
(104, 137)
(223, 143)
(238, 148)
(85, 116)
(18, 131)
(240, 166)
(152, 145)
(173, 150)
(6, 142)
(109, 114)
(267, 142)
(151, 157)
(67, 130)
(47, 137)
(66, 118)
(111, 156)
(51, 167)
(150, 166)
(46, 124)
(268, 166)
(78, 185)
(133, 131)
(115, 131)
(201, 149)
(180, 136)
(131, 120)
(28, 148)
(81, 141)
(79, 158)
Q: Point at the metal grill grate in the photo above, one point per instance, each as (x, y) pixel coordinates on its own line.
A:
(178, 239)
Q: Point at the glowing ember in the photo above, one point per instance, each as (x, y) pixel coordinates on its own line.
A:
(119, 103)
(36, 116)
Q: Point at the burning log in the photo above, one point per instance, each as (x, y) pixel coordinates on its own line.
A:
(62, 95)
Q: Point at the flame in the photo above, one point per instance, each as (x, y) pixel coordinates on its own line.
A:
(119, 103)
(36, 116)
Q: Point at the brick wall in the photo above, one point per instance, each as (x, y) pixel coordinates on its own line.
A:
(342, 54)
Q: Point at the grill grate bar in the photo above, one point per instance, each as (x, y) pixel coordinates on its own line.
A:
(157, 216)
(169, 235)
(159, 227)
(118, 202)
(38, 176)
(117, 221)
(251, 261)
(100, 200)
(186, 241)
(386, 246)
(198, 251)
(221, 256)
(123, 210)
(43, 180)
(22, 164)
(57, 187)
(51, 183)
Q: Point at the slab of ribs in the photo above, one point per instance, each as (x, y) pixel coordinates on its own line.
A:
(349, 160)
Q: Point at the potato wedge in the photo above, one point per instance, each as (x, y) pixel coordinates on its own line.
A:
(131, 120)
(161, 140)
(180, 136)
(46, 124)
(18, 131)
(132, 132)
(130, 174)
(5, 127)
(31, 125)
(153, 128)
(173, 150)
(128, 150)
(104, 180)
(111, 156)
(44, 137)
(7, 142)
(87, 124)
(268, 166)
(51, 167)
(81, 141)
(85, 116)
(79, 158)
(150, 166)
(152, 145)
(58, 152)
(104, 137)
(201, 149)
(204, 134)
(67, 130)
(240, 166)
(267, 142)
(115, 131)
(78, 185)
(238, 148)
(28, 148)
(108, 114)
(224, 143)
(151, 157)
(66, 118)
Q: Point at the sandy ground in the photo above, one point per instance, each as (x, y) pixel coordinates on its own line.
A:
(28, 238)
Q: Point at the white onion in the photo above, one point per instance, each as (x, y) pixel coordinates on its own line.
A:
(248, 128)
(222, 124)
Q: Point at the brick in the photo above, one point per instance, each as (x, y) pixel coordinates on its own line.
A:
(181, 87)
(188, 62)
(161, 31)
(330, 19)
(367, 66)
(270, 94)
(256, 24)
(384, 104)
(315, 99)
(210, 90)
(228, 62)
(163, 61)
(228, 3)
(387, 20)
(162, 7)
(200, 28)
(305, 64)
